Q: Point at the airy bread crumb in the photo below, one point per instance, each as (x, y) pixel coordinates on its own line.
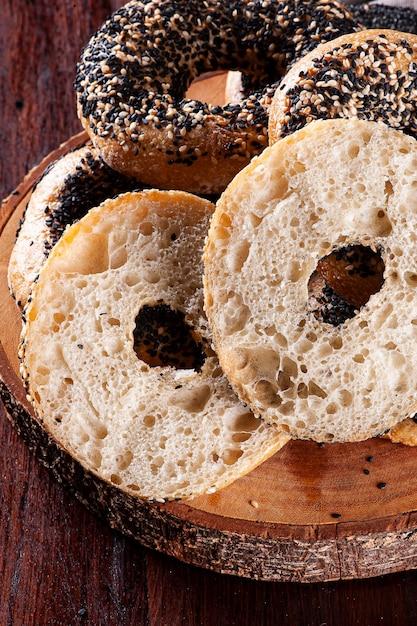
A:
(333, 185)
(156, 431)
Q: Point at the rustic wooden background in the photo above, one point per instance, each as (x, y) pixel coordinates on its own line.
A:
(59, 565)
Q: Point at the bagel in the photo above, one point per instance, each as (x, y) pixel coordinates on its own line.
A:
(132, 78)
(335, 186)
(369, 75)
(68, 188)
(115, 353)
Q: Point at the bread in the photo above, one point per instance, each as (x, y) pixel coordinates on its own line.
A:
(68, 188)
(134, 73)
(368, 74)
(333, 185)
(117, 303)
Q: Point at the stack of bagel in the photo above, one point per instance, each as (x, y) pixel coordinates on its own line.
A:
(201, 284)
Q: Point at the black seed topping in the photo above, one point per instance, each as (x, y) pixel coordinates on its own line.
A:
(327, 306)
(91, 183)
(403, 19)
(361, 81)
(136, 69)
(162, 337)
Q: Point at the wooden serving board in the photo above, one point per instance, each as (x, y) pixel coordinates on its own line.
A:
(310, 513)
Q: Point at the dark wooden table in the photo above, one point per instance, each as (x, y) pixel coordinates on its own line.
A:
(59, 565)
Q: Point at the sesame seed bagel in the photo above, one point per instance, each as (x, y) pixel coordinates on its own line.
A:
(342, 187)
(68, 188)
(134, 73)
(116, 357)
(370, 75)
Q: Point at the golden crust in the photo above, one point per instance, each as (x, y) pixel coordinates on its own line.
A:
(148, 161)
(405, 432)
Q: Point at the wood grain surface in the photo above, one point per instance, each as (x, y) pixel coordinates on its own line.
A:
(58, 563)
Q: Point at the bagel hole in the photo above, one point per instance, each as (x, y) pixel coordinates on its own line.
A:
(162, 337)
(343, 282)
